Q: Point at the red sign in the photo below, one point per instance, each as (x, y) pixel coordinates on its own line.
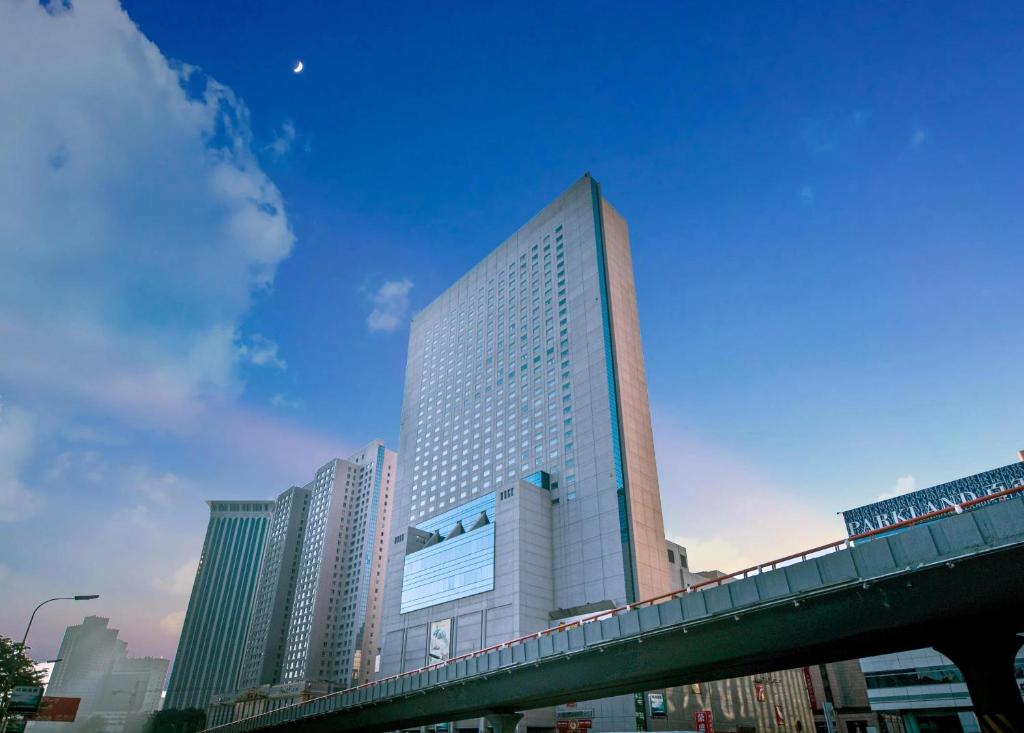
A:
(58, 709)
(779, 720)
(573, 725)
(704, 721)
(811, 697)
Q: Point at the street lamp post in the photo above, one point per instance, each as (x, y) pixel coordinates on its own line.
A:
(4, 702)
(50, 600)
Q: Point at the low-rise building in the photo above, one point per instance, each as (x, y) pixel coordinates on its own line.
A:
(779, 702)
(920, 690)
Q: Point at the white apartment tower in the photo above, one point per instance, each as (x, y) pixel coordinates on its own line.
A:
(334, 630)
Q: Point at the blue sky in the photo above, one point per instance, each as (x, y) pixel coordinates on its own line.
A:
(209, 261)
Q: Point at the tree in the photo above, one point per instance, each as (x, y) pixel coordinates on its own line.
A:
(137, 722)
(191, 720)
(15, 667)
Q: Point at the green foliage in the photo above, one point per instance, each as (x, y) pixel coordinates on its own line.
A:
(191, 720)
(137, 722)
(15, 667)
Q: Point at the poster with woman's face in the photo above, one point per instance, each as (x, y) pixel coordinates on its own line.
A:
(440, 649)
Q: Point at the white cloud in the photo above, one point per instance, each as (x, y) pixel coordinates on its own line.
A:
(134, 481)
(806, 194)
(136, 230)
(135, 221)
(180, 580)
(904, 485)
(17, 446)
(283, 140)
(261, 351)
(917, 137)
(390, 304)
(90, 434)
(171, 623)
(279, 400)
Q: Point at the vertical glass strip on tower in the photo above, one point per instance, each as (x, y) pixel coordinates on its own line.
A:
(622, 497)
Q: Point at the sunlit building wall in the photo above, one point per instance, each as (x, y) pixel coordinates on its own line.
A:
(525, 386)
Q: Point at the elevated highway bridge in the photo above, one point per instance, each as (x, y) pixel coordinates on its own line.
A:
(953, 580)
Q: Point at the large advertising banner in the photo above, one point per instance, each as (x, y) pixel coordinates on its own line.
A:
(898, 509)
(440, 649)
(58, 709)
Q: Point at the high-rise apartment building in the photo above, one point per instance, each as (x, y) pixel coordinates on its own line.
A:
(217, 619)
(263, 656)
(527, 489)
(333, 633)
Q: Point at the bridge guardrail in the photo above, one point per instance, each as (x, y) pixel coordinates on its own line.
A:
(321, 704)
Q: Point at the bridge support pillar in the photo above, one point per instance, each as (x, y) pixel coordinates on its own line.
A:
(986, 661)
(507, 722)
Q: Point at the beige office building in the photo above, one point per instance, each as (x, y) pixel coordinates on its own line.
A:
(527, 489)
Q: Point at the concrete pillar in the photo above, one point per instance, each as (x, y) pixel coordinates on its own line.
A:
(507, 722)
(986, 662)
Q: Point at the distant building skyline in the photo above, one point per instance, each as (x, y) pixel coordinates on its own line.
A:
(94, 665)
(307, 590)
(180, 307)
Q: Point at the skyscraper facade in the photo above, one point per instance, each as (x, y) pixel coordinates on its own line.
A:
(333, 633)
(217, 619)
(527, 489)
(263, 655)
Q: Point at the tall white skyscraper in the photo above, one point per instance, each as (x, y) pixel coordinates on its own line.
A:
(527, 490)
(333, 632)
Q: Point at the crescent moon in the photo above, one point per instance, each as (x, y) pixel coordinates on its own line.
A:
(298, 68)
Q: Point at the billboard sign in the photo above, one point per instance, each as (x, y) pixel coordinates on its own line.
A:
(898, 509)
(440, 640)
(704, 721)
(24, 699)
(58, 709)
(657, 702)
(811, 697)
